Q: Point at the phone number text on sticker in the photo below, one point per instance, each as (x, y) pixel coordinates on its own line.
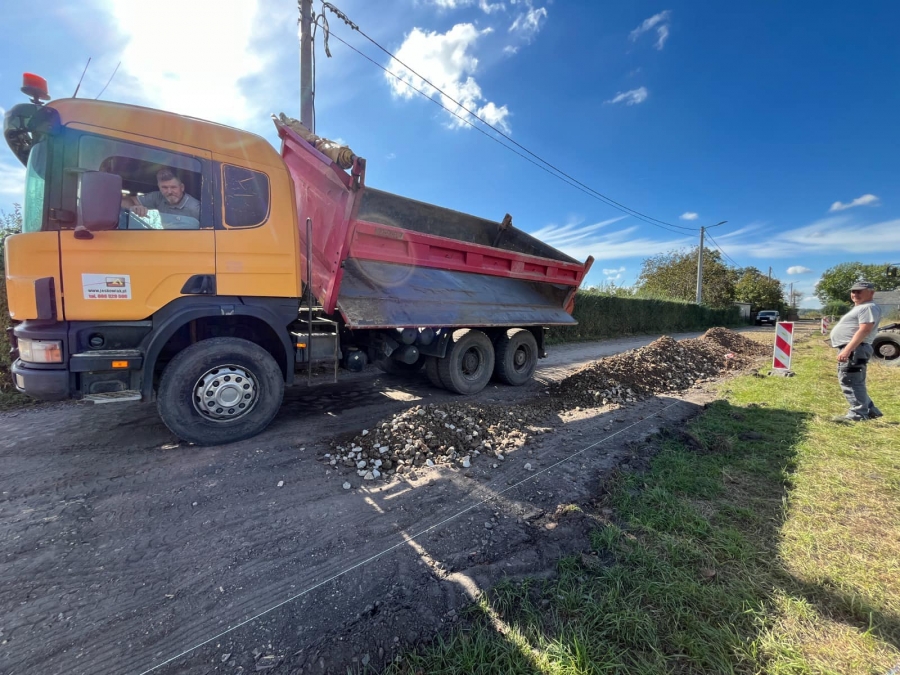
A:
(106, 286)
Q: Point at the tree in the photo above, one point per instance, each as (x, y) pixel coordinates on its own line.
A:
(759, 290)
(10, 223)
(794, 298)
(836, 308)
(836, 281)
(674, 275)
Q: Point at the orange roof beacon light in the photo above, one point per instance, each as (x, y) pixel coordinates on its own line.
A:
(35, 86)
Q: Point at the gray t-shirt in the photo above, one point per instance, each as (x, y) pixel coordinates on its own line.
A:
(846, 328)
(188, 206)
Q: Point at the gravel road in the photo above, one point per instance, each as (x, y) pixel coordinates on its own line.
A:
(126, 552)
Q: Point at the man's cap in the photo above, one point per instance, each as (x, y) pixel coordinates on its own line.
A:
(863, 286)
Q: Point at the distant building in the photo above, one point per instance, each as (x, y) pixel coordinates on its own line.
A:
(889, 301)
(744, 308)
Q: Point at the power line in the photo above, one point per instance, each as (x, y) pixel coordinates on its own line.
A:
(552, 170)
(721, 249)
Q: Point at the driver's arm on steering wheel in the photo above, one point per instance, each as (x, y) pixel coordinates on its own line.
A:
(134, 205)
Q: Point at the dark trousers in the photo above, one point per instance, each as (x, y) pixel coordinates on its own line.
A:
(852, 378)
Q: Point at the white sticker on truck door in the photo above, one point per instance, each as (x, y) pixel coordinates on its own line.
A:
(106, 286)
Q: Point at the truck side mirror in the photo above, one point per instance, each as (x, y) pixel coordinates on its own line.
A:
(891, 271)
(99, 201)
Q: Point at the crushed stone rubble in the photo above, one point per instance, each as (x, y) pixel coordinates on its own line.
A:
(431, 435)
(455, 434)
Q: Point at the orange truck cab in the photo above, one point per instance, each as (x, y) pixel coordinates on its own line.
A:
(245, 266)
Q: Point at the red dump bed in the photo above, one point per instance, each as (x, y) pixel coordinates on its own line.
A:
(382, 260)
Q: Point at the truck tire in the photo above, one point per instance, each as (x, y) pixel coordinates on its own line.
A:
(887, 347)
(469, 363)
(220, 390)
(516, 357)
(431, 370)
(393, 367)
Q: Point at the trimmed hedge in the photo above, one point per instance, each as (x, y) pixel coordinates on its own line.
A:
(606, 316)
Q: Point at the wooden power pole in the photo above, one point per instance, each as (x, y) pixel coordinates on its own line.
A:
(307, 108)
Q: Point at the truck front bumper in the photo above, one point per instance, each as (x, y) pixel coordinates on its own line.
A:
(44, 384)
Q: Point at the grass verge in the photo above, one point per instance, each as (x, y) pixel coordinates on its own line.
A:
(762, 539)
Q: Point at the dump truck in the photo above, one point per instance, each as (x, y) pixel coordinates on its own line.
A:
(285, 265)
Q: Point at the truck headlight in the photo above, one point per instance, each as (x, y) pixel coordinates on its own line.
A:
(40, 351)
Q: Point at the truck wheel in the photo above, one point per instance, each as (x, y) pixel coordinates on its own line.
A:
(431, 370)
(887, 347)
(469, 363)
(517, 356)
(393, 367)
(220, 390)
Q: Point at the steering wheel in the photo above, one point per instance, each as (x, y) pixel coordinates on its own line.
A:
(151, 221)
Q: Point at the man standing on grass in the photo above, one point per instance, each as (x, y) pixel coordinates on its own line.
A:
(852, 336)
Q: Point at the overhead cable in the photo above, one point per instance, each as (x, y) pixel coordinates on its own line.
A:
(544, 164)
(721, 249)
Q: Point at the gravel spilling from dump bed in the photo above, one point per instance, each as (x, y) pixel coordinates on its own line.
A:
(457, 433)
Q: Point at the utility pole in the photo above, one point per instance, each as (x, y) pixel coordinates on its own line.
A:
(307, 110)
(700, 267)
(700, 262)
(770, 272)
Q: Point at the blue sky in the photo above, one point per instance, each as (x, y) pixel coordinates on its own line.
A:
(780, 118)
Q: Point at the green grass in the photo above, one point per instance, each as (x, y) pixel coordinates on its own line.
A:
(762, 539)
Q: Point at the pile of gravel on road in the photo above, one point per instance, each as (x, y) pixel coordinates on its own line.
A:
(736, 343)
(428, 435)
(456, 433)
(662, 366)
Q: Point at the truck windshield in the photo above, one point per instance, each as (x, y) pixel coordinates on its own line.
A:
(33, 211)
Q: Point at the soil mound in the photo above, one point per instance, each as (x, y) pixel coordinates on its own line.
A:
(735, 342)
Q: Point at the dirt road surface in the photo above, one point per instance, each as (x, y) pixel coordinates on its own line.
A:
(125, 552)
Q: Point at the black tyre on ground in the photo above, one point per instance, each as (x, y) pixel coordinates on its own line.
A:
(469, 363)
(431, 370)
(516, 357)
(220, 390)
(887, 347)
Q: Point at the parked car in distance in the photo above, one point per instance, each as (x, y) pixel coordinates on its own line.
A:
(769, 316)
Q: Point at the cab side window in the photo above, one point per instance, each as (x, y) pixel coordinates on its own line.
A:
(246, 196)
(161, 190)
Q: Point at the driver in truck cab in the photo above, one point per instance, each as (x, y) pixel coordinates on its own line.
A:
(172, 202)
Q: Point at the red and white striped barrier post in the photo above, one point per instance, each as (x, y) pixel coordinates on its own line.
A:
(784, 342)
(825, 323)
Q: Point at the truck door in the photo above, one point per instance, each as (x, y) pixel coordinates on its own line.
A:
(131, 272)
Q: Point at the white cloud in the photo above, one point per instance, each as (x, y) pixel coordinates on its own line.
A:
(810, 301)
(663, 33)
(510, 50)
(632, 97)
(580, 241)
(689, 215)
(528, 23)
(391, 155)
(865, 200)
(490, 7)
(12, 180)
(660, 22)
(445, 60)
(616, 277)
(484, 5)
(798, 269)
(837, 234)
(156, 70)
(613, 271)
